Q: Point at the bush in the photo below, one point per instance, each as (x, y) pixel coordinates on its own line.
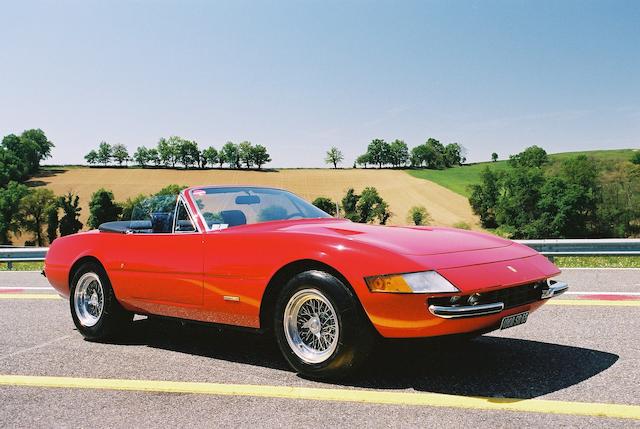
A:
(418, 215)
(635, 158)
(462, 225)
(326, 205)
(102, 208)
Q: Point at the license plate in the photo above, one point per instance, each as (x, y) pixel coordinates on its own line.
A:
(514, 320)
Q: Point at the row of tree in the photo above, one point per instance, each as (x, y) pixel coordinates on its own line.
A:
(432, 154)
(575, 198)
(366, 207)
(174, 151)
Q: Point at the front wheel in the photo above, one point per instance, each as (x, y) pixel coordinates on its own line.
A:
(320, 328)
(94, 308)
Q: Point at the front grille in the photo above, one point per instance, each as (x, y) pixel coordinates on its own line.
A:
(514, 296)
(510, 296)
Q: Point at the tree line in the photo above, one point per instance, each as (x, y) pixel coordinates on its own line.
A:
(579, 197)
(23, 209)
(175, 151)
(432, 154)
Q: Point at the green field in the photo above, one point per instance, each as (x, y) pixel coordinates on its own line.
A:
(459, 179)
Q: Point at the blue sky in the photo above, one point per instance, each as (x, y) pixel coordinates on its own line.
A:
(299, 77)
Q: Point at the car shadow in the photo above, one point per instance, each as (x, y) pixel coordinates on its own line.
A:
(486, 366)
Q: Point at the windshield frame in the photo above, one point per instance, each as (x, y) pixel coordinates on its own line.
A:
(218, 227)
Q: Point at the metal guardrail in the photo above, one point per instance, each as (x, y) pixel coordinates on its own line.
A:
(549, 248)
(22, 254)
(585, 247)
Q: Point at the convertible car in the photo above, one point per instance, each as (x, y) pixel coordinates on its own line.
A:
(265, 259)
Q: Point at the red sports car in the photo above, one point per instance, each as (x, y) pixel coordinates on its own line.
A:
(265, 259)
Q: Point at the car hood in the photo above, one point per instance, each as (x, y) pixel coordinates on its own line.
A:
(407, 240)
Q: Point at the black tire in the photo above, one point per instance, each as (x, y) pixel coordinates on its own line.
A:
(355, 337)
(113, 320)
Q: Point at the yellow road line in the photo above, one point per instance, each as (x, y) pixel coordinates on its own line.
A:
(595, 302)
(29, 296)
(338, 394)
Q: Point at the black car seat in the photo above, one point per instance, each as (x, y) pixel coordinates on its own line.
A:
(233, 217)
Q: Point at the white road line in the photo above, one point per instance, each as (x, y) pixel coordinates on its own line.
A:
(603, 293)
(39, 346)
(26, 288)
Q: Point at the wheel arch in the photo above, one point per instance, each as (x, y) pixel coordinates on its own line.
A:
(81, 261)
(284, 274)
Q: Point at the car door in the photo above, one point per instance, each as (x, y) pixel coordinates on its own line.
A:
(164, 269)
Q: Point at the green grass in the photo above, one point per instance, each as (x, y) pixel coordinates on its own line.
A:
(458, 179)
(598, 261)
(22, 266)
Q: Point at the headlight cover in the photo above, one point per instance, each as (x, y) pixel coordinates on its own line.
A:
(421, 282)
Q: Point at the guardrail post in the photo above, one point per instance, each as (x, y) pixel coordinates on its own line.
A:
(9, 265)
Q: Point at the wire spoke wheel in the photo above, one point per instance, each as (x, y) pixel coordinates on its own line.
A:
(88, 299)
(311, 326)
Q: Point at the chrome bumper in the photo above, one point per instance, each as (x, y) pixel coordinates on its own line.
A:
(554, 288)
(450, 312)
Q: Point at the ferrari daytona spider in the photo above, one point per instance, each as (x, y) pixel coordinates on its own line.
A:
(265, 259)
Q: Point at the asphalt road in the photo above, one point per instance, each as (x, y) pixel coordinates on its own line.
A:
(564, 356)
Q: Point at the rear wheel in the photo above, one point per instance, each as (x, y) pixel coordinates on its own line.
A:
(320, 327)
(94, 308)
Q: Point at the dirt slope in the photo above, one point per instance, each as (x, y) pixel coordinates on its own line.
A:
(401, 190)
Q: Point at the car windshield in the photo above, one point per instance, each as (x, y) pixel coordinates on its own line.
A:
(233, 206)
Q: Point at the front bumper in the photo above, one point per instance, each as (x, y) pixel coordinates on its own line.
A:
(553, 289)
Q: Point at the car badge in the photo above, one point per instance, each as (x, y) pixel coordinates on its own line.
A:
(512, 269)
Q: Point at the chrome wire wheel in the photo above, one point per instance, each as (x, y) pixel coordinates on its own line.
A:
(88, 299)
(311, 326)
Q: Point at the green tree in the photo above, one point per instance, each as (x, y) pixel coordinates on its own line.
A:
(188, 152)
(209, 156)
(494, 157)
(141, 156)
(418, 215)
(371, 206)
(153, 157)
(363, 160)
(349, 202)
(120, 154)
(70, 223)
(10, 197)
(231, 154)
(102, 208)
(533, 156)
(174, 143)
(326, 205)
(245, 150)
(635, 158)
(172, 189)
(12, 168)
(484, 197)
(165, 152)
(453, 154)
(91, 157)
(378, 151)
(129, 205)
(398, 153)
(260, 155)
(31, 148)
(33, 212)
(104, 153)
(434, 154)
(53, 221)
(334, 156)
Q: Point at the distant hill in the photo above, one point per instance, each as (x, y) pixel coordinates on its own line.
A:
(399, 189)
(459, 179)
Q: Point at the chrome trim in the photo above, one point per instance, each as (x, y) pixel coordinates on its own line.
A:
(554, 288)
(452, 312)
(182, 201)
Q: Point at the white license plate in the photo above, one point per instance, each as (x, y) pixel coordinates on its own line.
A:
(514, 320)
